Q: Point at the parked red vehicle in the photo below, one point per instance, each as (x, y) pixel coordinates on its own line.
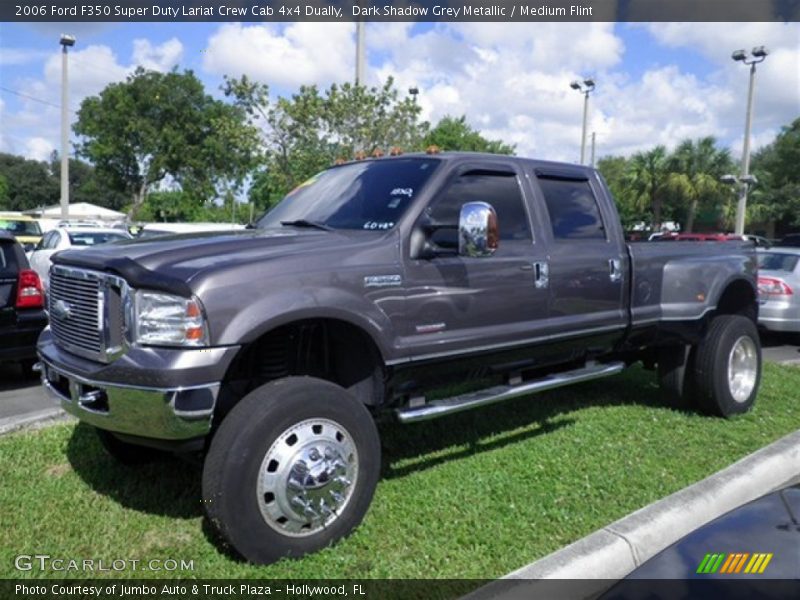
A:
(697, 237)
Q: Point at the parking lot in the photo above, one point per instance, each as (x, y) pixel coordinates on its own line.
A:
(20, 396)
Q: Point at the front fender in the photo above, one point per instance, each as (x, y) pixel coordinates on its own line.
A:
(280, 308)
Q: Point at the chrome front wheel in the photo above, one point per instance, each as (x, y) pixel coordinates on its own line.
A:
(307, 477)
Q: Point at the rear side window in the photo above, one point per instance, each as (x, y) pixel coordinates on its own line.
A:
(8, 258)
(501, 190)
(573, 209)
(776, 261)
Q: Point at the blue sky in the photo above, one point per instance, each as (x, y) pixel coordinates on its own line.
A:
(656, 83)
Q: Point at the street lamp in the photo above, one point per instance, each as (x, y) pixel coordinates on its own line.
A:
(585, 87)
(757, 55)
(66, 41)
(360, 53)
(414, 92)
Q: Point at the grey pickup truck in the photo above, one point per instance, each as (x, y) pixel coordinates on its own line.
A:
(271, 351)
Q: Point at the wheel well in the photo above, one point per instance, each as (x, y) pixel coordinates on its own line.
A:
(739, 298)
(329, 349)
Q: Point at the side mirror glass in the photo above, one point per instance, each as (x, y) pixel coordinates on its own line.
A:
(478, 232)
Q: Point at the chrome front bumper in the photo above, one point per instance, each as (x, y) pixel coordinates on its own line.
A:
(162, 413)
(153, 393)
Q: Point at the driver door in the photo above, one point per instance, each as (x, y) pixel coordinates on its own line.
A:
(457, 304)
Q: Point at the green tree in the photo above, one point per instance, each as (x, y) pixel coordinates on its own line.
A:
(646, 178)
(456, 134)
(3, 193)
(158, 126)
(694, 179)
(777, 167)
(310, 130)
(86, 186)
(633, 208)
(30, 183)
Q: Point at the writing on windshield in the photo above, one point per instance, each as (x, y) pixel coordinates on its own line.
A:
(369, 195)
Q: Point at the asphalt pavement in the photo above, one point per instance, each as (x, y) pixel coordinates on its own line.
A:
(24, 398)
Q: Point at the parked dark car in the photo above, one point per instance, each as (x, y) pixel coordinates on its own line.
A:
(271, 350)
(792, 240)
(751, 552)
(22, 315)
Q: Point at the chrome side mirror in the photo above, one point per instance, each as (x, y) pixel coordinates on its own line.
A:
(478, 233)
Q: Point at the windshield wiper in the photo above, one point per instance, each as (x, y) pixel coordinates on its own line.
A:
(306, 223)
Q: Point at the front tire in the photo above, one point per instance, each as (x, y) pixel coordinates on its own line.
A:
(291, 470)
(728, 366)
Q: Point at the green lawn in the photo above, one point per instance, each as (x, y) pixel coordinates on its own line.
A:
(471, 496)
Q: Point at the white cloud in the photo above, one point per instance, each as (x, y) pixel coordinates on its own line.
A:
(157, 58)
(718, 40)
(291, 55)
(38, 148)
(19, 56)
(36, 124)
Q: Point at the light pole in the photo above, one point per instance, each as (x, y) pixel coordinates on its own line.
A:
(360, 50)
(66, 41)
(757, 55)
(585, 87)
(414, 92)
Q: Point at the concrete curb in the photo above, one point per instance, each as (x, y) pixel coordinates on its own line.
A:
(34, 420)
(614, 551)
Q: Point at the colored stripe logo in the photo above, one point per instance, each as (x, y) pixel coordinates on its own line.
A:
(734, 563)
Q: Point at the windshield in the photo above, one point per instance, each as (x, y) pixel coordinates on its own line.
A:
(16, 227)
(85, 238)
(777, 261)
(370, 195)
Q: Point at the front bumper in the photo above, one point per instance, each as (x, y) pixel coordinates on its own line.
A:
(178, 403)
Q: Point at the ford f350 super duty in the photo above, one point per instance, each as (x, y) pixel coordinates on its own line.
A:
(271, 351)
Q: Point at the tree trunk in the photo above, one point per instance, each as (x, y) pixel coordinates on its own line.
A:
(655, 203)
(139, 197)
(690, 216)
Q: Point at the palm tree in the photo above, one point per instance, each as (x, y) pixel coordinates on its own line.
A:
(695, 168)
(647, 176)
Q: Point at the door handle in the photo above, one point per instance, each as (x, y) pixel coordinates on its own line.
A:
(614, 269)
(541, 275)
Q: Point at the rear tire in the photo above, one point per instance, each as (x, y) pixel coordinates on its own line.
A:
(676, 376)
(292, 469)
(728, 366)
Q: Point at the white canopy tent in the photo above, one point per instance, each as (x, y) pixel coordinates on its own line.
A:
(78, 210)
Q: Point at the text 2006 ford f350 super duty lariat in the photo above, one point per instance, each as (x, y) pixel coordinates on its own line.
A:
(272, 350)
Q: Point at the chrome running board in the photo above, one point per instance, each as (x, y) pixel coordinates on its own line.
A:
(447, 406)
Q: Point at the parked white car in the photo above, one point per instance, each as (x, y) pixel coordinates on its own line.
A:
(149, 230)
(62, 238)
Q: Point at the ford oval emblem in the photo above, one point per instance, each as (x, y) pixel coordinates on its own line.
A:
(61, 309)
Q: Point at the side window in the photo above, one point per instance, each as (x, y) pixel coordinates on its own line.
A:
(501, 190)
(50, 240)
(574, 213)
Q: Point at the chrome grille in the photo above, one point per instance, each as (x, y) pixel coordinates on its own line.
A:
(85, 309)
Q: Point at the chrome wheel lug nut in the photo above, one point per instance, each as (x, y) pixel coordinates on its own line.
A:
(314, 454)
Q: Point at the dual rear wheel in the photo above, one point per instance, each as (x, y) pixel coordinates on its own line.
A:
(720, 375)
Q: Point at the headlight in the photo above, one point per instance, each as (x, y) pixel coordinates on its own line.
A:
(167, 320)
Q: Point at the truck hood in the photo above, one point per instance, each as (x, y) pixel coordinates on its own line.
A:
(169, 263)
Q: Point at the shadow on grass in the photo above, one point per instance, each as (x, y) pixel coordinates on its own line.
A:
(168, 486)
(171, 487)
(466, 431)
